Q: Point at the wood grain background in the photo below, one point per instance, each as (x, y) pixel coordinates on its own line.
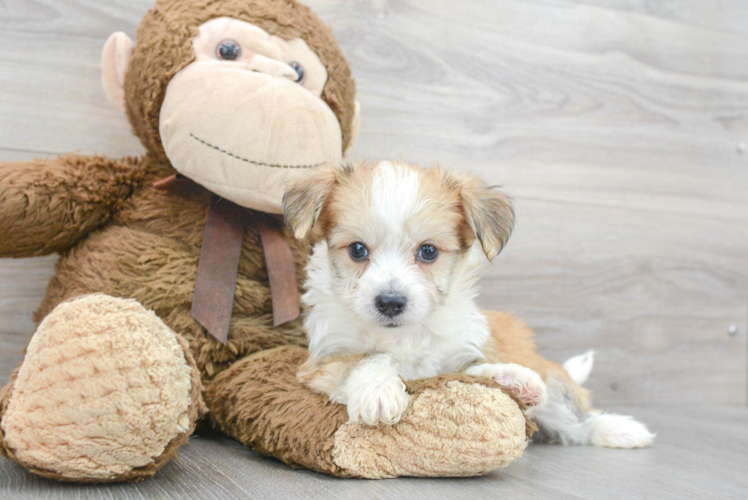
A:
(619, 127)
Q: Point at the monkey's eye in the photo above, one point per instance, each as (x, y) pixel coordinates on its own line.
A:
(229, 50)
(428, 253)
(358, 251)
(299, 70)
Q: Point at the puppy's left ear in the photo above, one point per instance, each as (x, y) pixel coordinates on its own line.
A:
(303, 202)
(489, 213)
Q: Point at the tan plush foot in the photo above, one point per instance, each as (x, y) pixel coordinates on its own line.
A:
(455, 426)
(106, 392)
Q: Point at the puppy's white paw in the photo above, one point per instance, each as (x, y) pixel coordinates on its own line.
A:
(619, 431)
(379, 402)
(525, 384)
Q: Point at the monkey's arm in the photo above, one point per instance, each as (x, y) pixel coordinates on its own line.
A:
(47, 205)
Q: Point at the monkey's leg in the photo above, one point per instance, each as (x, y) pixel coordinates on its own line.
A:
(106, 392)
(455, 425)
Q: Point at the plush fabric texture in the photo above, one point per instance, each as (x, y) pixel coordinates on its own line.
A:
(456, 425)
(117, 311)
(259, 402)
(47, 206)
(148, 251)
(164, 46)
(104, 390)
(200, 106)
(4, 400)
(114, 61)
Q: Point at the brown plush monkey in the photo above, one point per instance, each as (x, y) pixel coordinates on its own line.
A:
(239, 96)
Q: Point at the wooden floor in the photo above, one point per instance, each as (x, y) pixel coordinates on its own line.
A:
(619, 127)
(700, 454)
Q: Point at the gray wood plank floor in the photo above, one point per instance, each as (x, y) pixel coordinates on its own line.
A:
(692, 458)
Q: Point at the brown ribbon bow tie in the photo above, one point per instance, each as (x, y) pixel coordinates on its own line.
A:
(218, 267)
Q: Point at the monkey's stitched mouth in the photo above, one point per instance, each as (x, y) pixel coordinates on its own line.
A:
(263, 164)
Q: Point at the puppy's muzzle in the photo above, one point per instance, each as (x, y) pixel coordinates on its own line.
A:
(390, 304)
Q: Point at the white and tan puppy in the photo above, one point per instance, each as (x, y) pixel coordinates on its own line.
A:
(390, 293)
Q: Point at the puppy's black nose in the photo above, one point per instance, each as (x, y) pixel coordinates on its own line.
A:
(390, 304)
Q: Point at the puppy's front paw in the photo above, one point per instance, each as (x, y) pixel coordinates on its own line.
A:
(525, 384)
(378, 402)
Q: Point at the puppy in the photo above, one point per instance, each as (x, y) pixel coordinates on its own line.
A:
(390, 295)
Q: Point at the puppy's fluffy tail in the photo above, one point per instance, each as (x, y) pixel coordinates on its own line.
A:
(579, 367)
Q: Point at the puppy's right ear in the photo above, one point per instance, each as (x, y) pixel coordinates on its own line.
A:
(303, 202)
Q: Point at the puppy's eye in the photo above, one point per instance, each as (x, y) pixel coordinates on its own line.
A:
(358, 251)
(428, 253)
(299, 69)
(229, 50)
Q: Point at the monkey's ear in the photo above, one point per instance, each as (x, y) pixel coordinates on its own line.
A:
(114, 60)
(355, 125)
(303, 202)
(489, 213)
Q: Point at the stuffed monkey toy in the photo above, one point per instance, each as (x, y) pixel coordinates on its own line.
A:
(175, 296)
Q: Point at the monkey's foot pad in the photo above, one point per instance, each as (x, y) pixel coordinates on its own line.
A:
(455, 426)
(103, 391)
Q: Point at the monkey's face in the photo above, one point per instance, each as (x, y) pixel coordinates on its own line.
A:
(245, 119)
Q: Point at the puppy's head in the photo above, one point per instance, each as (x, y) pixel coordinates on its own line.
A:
(397, 233)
